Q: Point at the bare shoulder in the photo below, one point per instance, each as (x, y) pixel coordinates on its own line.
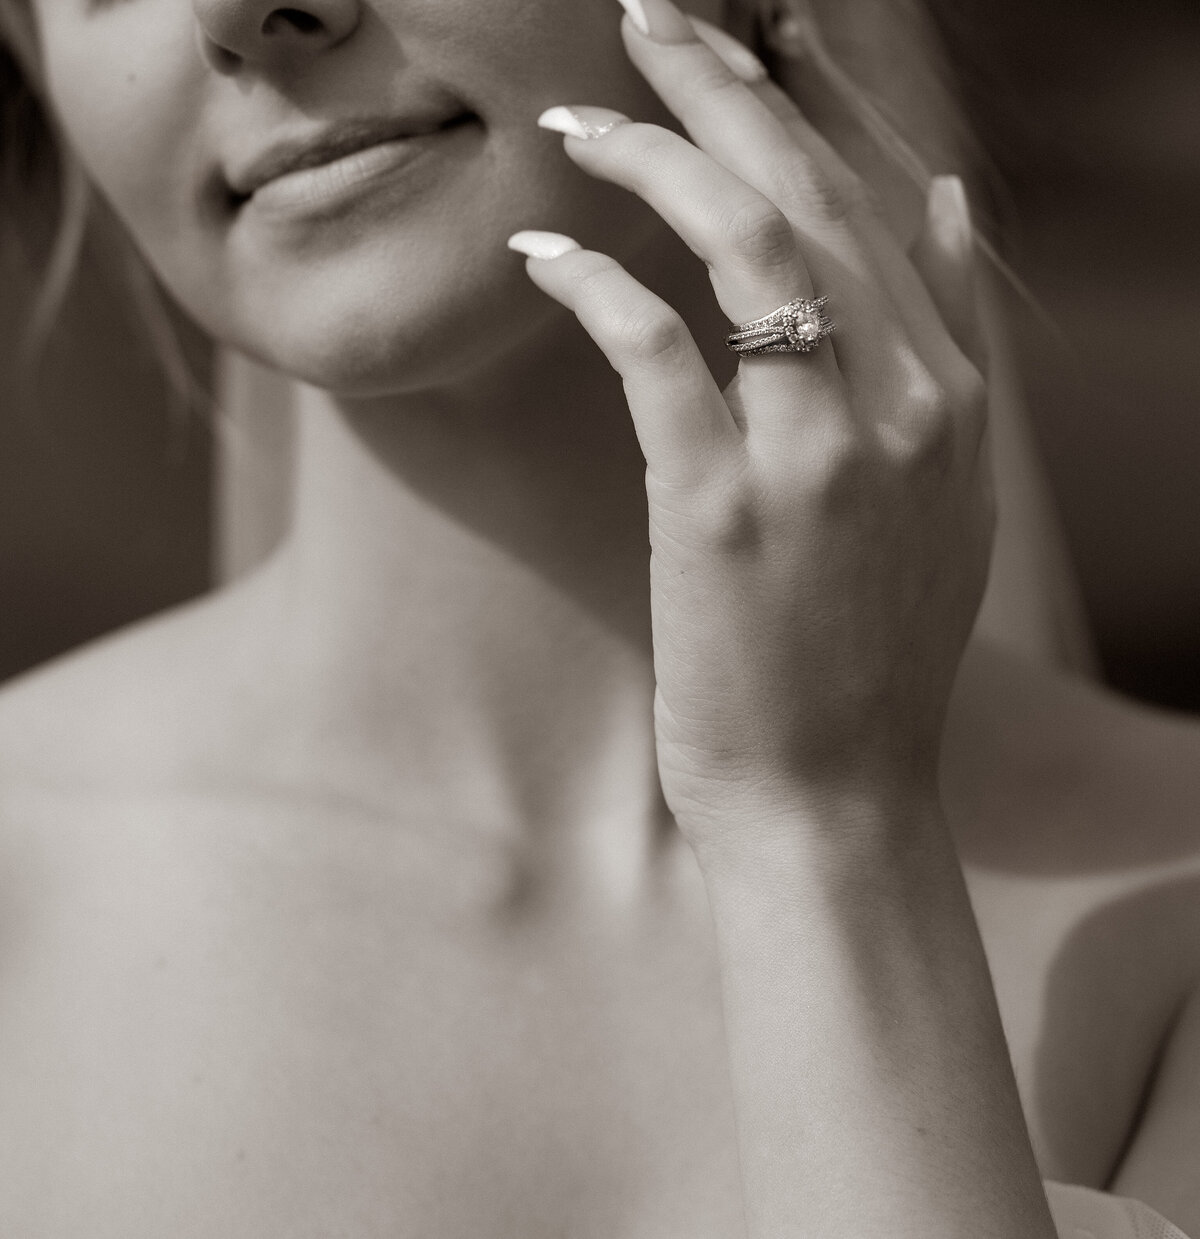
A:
(135, 707)
(108, 758)
(1063, 776)
(1159, 1166)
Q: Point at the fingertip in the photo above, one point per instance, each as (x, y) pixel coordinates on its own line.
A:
(637, 15)
(582, 121)
(948, 216)
(542, 245)
(737, 57)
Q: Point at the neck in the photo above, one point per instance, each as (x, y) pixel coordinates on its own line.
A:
(464, 601)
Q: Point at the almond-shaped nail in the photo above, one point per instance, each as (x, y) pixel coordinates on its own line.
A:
(637, 14)
(542, 244)
(737, 56)
(582, 122)
(660, 20)
(949, 214)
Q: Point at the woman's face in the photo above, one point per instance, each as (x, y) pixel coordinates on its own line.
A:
(329, 186)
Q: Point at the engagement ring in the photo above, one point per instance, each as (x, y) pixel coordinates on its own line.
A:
(797, 327)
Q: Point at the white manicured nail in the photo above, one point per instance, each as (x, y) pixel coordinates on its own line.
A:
(637, 14)
(949, 214)
(582, 122)
(737, 56)
(542, 244)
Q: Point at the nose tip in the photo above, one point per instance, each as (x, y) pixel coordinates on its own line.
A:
(237, 32)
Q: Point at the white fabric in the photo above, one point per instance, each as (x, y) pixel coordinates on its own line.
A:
(1081, 1213)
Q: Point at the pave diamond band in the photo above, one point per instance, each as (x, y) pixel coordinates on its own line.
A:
(797, 327)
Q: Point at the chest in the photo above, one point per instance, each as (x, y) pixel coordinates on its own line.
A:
(203, 1050)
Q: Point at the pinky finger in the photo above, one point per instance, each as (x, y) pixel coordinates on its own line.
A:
(682, 422)
(944, 256)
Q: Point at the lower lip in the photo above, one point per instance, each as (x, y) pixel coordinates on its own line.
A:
(312, 190)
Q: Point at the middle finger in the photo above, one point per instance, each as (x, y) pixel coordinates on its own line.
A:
(742, 237)
(748, 244)
(734, 124)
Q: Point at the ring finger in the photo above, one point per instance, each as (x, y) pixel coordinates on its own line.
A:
(745, 241)
(748, 243)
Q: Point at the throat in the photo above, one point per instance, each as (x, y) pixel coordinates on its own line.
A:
(474, 654)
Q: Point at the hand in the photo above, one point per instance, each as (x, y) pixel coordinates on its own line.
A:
(819, 530)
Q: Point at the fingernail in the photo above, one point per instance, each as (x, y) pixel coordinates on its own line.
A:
(949, 214)
(637, 14)
(737, 56)
(792, 32)
(542, 244)
(660, 20)
(582, 122)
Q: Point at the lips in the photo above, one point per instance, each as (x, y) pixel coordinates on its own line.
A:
(334, 144)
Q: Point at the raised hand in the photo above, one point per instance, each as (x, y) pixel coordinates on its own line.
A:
(819, 529)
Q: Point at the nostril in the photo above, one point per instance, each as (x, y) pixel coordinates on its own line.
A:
(294, 19)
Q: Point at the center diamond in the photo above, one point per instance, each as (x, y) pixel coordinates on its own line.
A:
(804, 327)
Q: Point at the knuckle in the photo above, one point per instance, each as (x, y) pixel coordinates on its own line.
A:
(637, 326)
(709, 76)
(811, 193)
(590, 272)
(760, 234)
(930, 404)
(651, 333)
(926, 439)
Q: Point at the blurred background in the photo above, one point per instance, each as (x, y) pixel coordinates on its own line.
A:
(1093, 119)
(1092, 115)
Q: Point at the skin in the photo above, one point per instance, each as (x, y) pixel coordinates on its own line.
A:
(237, 274)
(352, 901)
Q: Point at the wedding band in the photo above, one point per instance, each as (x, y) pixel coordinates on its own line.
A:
(797, 327)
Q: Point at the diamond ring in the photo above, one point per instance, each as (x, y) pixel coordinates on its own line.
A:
(797, 327)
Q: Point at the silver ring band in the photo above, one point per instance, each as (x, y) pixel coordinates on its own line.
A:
(797, 327)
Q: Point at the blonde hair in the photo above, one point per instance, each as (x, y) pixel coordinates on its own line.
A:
(42, 180)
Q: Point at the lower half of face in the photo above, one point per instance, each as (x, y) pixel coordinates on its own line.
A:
(401, 277)
(360, 268)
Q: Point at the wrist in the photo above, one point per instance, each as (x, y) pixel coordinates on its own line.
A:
(819, 833)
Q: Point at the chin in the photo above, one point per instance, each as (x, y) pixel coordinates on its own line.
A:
(369, 339)
(410, 298)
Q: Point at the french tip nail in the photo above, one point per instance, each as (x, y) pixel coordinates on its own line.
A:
(736, 56)
(948, 188)
(581, 121)
(544, 245)
(949, 210)
(637, 14)
(562, 120)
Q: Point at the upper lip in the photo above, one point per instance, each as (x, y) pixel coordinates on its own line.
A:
(343, 137)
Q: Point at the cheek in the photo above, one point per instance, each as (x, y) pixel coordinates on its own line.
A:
(377, 298)
(123, 92)
(520, 56)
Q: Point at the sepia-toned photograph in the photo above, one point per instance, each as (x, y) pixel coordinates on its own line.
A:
(599, 619)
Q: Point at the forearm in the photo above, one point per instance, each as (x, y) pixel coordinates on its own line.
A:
(873, 1089)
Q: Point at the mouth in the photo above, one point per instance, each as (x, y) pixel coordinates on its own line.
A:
(312, 170)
